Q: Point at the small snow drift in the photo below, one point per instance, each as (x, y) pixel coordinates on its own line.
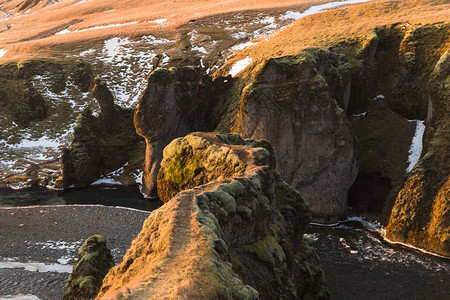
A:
(416, 145)
(240, 66)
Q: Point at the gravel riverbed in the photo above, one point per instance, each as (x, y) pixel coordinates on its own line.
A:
(38, 245)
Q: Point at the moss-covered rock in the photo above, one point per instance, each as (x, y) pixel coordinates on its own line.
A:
(298, 104)
(230, 229)
(175, 103)
(94, 262)
(101, 144)
(421, 214)
(20, 100)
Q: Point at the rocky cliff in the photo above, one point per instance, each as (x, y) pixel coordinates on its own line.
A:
(302, 104)
(298, 104)
(100, 144)
(303, 97)
(230, 228)
(174, 103)
(421, 213)
(20, 100)
(399, 73)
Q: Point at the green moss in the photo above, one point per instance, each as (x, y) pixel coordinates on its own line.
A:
(180, 172)
(267, 250)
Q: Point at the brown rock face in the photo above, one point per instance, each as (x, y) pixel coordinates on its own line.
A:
(100, 144)
(230, 228)
(175, 103)
(105, 99)
(94, 262)
(288, 101)
(291, 104)
(384, 141)
(421, 213)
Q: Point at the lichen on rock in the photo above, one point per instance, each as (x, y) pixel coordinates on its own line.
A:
(94, 262)
(230, 232)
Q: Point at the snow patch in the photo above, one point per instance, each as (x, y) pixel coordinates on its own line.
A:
(240, 66)
(2, 52)
(36, 267)
(415, 151)
(66, 31)
(318, 9)
(242, 46)
(106, 181)
(20, 297)
(159, 21)
(199, 49)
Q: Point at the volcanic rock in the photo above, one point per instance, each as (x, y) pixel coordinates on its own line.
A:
(230, 228)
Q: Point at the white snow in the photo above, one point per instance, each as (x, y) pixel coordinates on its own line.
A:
(239, 35)
(41, 142)
(2, 52)
(242, 46)
(318, 8)
(138, 177)
(106, 181)
(199, 49)
(20, 297)
(36, 267)
(81, 2)
(112, 47)
(60, 245)
(66, 31)
(363, 114)
(240, 66)
(416, 145)
(64, 260)
(159, 21)
(87, 52)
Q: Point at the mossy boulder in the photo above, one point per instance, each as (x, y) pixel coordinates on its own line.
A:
(230, 228)
(94, 262)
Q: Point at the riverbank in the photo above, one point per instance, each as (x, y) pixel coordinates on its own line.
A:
(39, 244)
(358, 265)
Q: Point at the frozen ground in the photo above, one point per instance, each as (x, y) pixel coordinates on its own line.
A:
(124, 63)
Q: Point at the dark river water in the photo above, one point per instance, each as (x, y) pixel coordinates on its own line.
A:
(358, 263)
(108, 196)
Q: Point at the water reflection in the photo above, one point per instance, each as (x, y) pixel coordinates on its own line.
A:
(108, 196)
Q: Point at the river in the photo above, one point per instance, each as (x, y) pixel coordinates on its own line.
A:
(358, 264)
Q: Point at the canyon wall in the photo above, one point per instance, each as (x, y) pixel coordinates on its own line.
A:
(230, 228)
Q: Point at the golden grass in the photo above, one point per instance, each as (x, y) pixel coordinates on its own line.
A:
(355, 21)
(33, 33)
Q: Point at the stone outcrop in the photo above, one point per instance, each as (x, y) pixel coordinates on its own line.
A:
(174, 103)
(395, 61)
(303, 97)
(94, 262)
(294, 103)
(20, 100)
(100, 144)
(384, 141)
(421, 213)
(230, 228)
